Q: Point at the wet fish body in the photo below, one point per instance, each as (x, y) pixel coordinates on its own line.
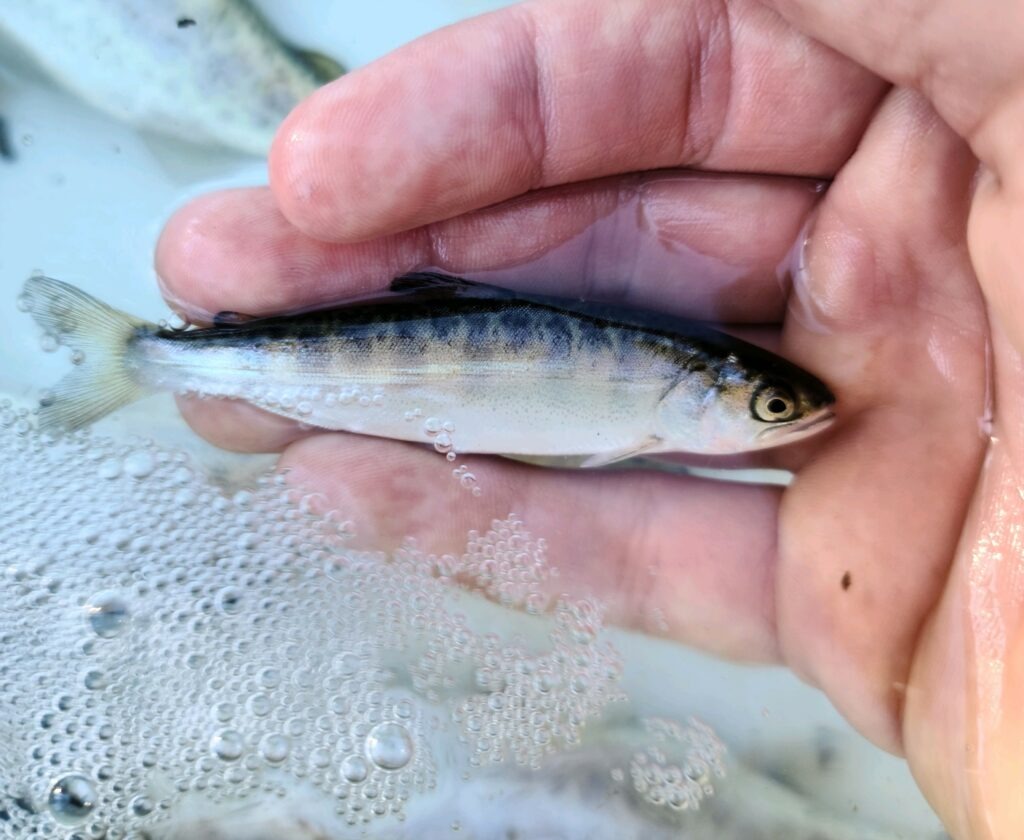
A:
(207, 71)
(455, 363)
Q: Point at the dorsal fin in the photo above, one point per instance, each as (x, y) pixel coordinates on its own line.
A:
(434, 285)
(416, 281)
(437, 284)
(228, 318)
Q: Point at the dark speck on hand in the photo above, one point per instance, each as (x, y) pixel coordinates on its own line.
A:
(846, 581)
(185, 22)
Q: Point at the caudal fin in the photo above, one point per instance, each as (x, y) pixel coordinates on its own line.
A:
(100, 335)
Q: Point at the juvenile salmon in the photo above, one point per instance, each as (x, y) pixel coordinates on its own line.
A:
(207, 71)
(458, 364)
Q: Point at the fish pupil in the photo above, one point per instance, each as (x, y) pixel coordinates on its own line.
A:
(777, 405)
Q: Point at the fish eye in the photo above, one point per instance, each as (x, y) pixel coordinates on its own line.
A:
(773, 404)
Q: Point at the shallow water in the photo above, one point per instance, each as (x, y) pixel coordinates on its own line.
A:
(126, 561)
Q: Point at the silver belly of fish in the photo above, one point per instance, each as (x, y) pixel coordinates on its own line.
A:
(508, 407)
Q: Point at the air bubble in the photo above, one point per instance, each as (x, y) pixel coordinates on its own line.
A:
(142, 806)
(95, 680)
(229, 600)
(389, 746)
(140, 463)
(107, 614)
(223, 712)
(270, 677)
(354, 769)
(72, 798)
(274, 748)
(109, 469)
(259, 705)
(227, 745)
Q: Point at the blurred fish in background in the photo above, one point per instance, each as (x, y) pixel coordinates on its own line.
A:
(6, 149)
(211, 72)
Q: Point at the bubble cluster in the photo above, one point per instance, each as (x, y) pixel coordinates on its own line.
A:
(440, 433)
(307, 403)
(467, 480)
(166, 641)
(507, 564)
(676, 770)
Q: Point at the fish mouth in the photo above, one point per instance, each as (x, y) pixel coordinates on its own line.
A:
(783, 433)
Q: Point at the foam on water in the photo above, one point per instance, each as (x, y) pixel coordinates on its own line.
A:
(170, 650)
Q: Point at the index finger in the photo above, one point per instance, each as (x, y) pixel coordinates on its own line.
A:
(547, 93)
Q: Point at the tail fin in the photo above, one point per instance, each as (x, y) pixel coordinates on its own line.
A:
(103, 381)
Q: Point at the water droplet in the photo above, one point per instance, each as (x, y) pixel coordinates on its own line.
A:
(389, 746)
(227, 745)
(107, 614)
(77, 357)
(72, 798)
(49, 342)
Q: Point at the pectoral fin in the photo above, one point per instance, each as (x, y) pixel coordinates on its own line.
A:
(558, 462)
(604, 458)
(600, 459)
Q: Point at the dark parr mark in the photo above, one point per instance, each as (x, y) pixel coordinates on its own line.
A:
(846, 581)
(6, 149)
(185, 22)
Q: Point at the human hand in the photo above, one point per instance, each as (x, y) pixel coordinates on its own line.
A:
(887, 573)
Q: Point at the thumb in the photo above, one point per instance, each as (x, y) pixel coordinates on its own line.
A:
(967, 58)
